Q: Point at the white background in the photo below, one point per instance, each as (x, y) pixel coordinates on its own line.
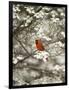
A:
(4, 44)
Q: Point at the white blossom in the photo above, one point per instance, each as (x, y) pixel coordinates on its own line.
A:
(19, 57)
(15, 60)
(63, 33)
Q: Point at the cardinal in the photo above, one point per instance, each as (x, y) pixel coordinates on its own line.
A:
(39, 45)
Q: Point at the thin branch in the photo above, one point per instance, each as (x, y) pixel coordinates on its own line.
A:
(21, 45)
(18, 28)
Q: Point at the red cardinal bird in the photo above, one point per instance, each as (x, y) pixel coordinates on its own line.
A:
(39, 45)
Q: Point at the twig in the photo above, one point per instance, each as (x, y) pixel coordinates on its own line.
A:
(21, 44)
(18, 27)
(29, 54)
